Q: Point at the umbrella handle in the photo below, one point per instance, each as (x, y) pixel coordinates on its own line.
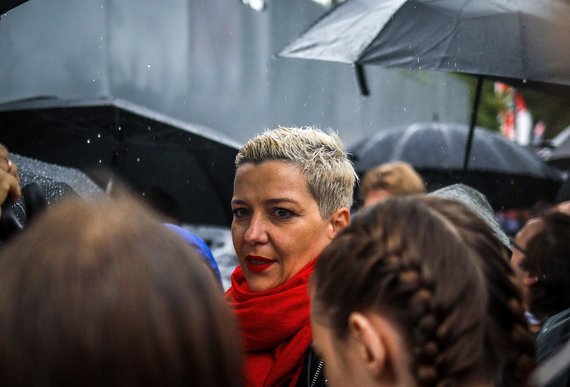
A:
(34, 203)
(9, 223)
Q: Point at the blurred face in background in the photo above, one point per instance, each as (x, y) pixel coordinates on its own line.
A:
(525, 234)
(376, 196)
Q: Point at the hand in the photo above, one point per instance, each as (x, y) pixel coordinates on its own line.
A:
(9, 177)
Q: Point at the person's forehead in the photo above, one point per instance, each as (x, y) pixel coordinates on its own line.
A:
(531, 227)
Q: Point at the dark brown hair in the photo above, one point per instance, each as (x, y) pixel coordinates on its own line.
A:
(102, 294)
(509, 344)
(404, 260)
(548, 259)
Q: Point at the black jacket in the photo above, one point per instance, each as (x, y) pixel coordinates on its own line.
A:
(313, 374)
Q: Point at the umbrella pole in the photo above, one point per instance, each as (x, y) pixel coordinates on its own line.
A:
(473, 121)
(361, 80)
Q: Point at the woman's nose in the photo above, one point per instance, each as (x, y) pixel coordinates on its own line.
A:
(256, 231)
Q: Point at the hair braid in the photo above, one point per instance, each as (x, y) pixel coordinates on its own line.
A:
(409, 262)
(509, 344)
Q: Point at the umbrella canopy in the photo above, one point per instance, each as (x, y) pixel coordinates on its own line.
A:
(55, 181)
(193, 164)
(514, 40)
(517, 39)
(44, 184)
(510, 175)
(558, 153)
(7, 5)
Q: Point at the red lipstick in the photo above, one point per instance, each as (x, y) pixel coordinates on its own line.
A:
(258, 264)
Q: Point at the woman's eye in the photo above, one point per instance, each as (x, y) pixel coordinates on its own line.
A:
(282, 213)
(240, 212)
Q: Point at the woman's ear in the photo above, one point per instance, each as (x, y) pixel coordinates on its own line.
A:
(338, 221)
(371, 349)
(529, 280)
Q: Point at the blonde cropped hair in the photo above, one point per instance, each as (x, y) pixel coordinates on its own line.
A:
(320, 156)
(398, 177)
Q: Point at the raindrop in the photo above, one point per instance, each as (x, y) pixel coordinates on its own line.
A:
(119, 128)
(88, 141)
(404, 109)
(138, 159)
(98, 135)
(418, 59)
(100, 161)
(148, 66)
(93, 80)
(524, 80)
(189, 138)
(148, 127)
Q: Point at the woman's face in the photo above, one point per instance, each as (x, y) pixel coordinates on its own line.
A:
(277, 227)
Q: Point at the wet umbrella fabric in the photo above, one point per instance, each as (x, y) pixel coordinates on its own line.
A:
(510, 175)
(192, 163)
(55, 181)
(511, 41)
(43, 184)
(517, 39)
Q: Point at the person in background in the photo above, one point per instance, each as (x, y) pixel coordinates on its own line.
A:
(100, 293)
(390, 179)
(401, 298)
(199, 245)
(293, 191)
(524, 279)
(547, 262)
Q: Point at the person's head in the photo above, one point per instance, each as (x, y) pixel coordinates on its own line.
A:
(547, 261)
(292, 194)
(399, 299)
(102, 294)
(519, 245)
(397, 178)
(509, 345)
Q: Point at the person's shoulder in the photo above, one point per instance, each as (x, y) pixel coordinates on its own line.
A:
(554, 332)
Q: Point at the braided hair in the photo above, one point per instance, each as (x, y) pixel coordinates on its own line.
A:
(509, 344)
(407, 262)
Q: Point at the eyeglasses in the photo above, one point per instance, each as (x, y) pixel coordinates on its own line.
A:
(516, 246)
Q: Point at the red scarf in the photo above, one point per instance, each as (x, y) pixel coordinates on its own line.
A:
(275, 328)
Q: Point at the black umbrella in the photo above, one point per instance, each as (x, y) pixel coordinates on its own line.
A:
(7, 5)
(511, 176)
(193, 164)
(513, 41)
(43, 184)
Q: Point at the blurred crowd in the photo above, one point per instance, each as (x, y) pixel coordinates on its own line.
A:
(409, 289)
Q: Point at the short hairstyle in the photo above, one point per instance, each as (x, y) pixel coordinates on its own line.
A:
(404, 260)
(398, 177)
(102, 294)
(320, 156)
(547, 257)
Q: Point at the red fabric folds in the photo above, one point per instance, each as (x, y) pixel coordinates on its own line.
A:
(275, 326)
